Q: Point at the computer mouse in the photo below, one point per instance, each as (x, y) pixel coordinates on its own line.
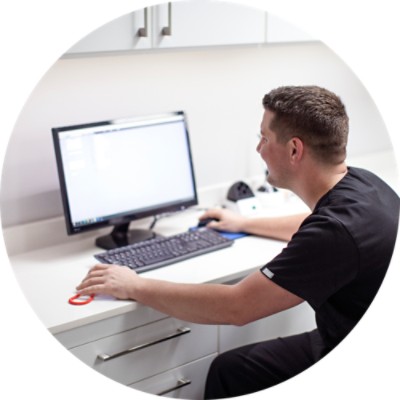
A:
(203, 222)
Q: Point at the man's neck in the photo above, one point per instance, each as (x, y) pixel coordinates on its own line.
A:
(317, 182)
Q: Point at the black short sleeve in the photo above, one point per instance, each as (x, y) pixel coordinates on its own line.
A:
(319, 260)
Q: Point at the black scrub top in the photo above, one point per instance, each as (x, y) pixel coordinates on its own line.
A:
(338, 258)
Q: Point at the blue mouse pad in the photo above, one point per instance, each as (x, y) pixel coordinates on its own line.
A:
(228, 235)
(233, 235)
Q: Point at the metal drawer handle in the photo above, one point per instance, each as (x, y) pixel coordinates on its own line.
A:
(179, 332)
(167, 30)
(181, 383)
(143, 32)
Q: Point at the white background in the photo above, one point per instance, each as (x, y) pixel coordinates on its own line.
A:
(364, 34)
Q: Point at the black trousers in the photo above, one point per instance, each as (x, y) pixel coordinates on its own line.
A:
(261, 365)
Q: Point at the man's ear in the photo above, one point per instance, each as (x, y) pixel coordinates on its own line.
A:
(296, 149)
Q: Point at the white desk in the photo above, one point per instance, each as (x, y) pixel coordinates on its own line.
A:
(48, 277)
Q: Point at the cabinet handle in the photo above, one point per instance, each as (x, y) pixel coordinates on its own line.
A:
(144, 32)
(167, 30)
(179, 332)
(181, 383)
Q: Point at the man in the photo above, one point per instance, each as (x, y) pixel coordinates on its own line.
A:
(335, 259)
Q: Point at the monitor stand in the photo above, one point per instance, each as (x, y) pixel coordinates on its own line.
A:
(122, 236)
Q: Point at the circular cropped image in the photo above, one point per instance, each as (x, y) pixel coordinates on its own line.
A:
(199, 200)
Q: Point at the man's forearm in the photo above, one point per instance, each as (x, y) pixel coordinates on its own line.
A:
(281, 228)
(205, 303)
(252, 298)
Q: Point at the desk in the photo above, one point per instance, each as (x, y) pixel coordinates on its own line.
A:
(48, 277)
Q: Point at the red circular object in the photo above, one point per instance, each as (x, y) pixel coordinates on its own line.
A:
(75, 302)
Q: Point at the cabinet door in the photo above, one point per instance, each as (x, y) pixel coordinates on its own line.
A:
(290, 322)
(136, 354)
(281, 31)
(123, 33)
(206, 24)
(185, 382)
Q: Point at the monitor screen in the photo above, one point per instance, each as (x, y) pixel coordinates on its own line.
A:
(116, 171)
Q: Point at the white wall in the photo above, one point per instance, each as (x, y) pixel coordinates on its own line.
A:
(220, 89)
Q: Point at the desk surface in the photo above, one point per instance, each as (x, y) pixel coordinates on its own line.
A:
(48, 277)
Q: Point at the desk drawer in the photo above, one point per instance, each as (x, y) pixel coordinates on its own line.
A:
(184, 382)
(138, 353)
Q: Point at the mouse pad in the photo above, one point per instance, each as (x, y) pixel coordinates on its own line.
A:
(228, 235)
(233, 235)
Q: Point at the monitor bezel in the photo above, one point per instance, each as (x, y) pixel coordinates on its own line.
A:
(131, 215)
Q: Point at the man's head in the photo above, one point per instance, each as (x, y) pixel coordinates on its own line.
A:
(314, 115)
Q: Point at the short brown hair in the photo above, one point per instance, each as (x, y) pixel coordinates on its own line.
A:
(315, 115)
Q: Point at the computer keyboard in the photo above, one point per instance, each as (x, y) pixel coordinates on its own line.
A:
(161, 251)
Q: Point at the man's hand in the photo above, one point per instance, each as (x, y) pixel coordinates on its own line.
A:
(112, 280)
(281, 228)
(227, 220)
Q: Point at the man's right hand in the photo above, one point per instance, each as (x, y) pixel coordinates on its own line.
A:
(228, 220)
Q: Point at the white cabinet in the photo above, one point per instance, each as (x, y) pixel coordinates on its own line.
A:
(164, 356)
(281, 31)
(207, 24)
(151, 352)
(177, 24)
(189, 24)
(290, 322)
(184, 382)
(122, 34)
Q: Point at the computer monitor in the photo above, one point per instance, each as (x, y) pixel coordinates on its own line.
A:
(114, 172)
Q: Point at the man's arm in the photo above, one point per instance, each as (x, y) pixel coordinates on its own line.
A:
(281, 228)
(252, 298)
